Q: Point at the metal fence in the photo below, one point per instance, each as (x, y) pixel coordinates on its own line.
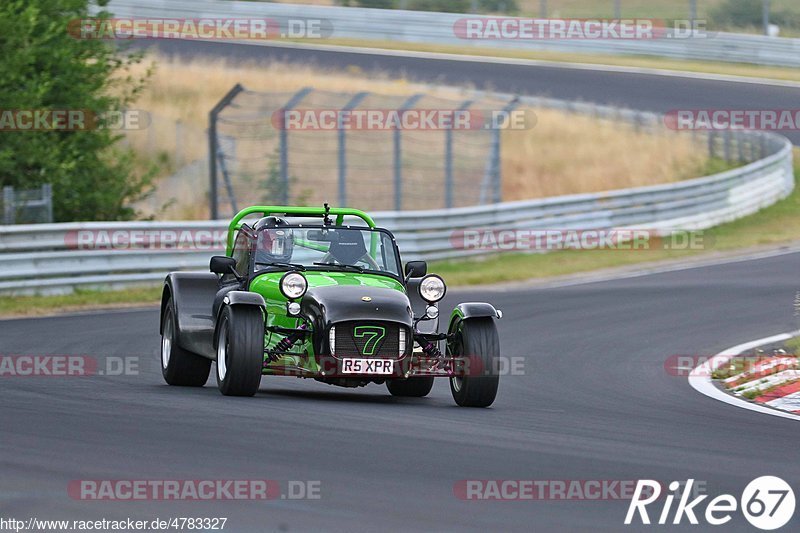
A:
(30, 206)
(50, 258)
(251, 148)
(438, 28)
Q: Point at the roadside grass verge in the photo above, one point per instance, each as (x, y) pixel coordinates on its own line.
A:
(81, 299)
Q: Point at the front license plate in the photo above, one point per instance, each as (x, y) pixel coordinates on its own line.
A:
(352, 365)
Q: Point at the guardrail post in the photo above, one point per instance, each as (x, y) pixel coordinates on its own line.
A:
(9, 209)
(727, 138)
(226, 177)
(47, 199)
(740, 146)
(448, 159)
(213, 149)
(284, 141)
(398, 155)
(349, 106)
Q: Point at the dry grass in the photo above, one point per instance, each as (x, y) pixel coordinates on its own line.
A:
(563, 154)
(569, 153)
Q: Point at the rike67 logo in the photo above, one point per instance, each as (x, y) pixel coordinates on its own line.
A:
(767, 503)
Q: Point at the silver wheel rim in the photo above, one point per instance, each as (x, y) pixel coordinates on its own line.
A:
(222, 353)
(457, 382)
(166, 341)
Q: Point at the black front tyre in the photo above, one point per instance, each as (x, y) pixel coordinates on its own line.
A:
(411, 387)
(240, 350)
(477, 339)
(178, 366)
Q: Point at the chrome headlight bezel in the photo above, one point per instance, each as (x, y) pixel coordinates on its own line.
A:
(430, 286)
(293, 285)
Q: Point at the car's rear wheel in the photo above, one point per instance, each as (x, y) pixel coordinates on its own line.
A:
(178, 366)
(240, 350)
(477, 340)
(411, 387)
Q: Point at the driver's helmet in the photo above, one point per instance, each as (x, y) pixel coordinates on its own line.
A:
(275, 240)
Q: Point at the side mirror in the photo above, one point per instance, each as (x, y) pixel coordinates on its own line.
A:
(416, 269)
(222, 264)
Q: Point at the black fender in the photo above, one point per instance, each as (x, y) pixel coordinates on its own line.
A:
(469, 310)
(235, 298)
(192, 294)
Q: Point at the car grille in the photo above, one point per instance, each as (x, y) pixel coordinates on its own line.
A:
(367, 339)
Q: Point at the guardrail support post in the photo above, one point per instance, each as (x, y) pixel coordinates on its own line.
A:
(349, 106)
(8, 205)
(284, 141)
(47, 199)
(727, 138)
(398, 155)
(213, 148)
(448, 159)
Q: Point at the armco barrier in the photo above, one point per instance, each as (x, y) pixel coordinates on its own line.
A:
(437, 28)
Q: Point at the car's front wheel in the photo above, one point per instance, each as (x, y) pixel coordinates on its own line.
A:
(178, 366)
(477, 341)
(240, 350)
(411, 387)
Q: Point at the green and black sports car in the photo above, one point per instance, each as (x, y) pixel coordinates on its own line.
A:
(321, 293)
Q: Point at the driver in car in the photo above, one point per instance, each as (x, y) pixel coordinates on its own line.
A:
(275, 241)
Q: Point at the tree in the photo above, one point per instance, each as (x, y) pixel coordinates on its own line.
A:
(44, 67)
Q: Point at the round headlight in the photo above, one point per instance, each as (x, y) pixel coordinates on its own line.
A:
(293, 285)
(432, 288)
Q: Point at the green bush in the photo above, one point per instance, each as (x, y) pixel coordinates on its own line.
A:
(738, 13)
(499, 6)
(749, 13)
(43, 67)
(376, 4)
(441, 6)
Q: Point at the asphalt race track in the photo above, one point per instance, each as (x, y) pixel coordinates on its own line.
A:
(594, 403)
(632, 90)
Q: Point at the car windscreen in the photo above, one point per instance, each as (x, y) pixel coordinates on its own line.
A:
(324, 247)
